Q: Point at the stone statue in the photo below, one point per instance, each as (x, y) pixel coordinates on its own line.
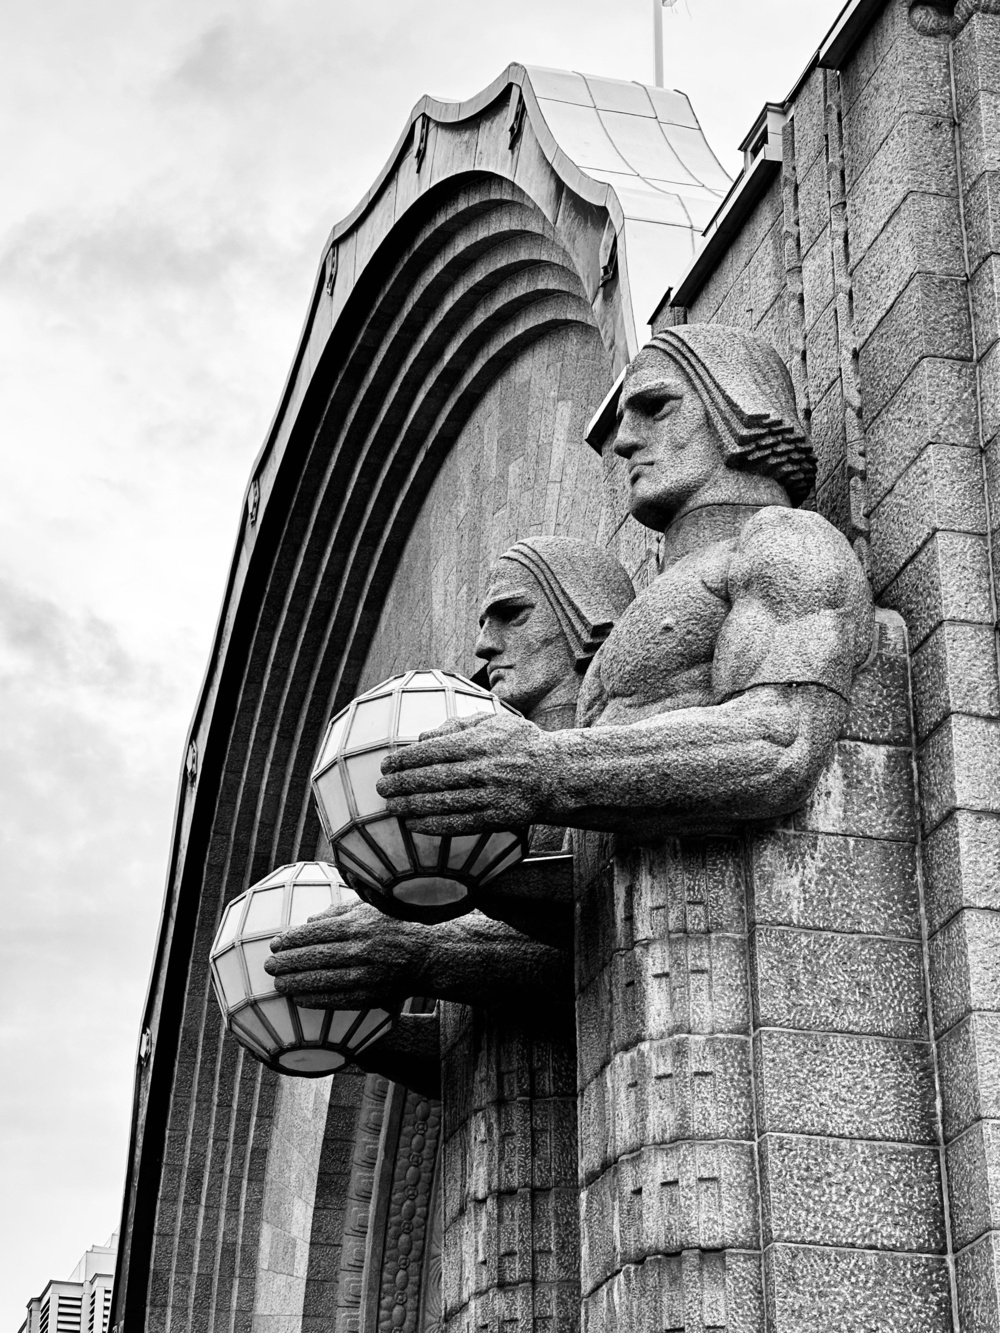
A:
(549, 604)
(709, 712)
(716, 698)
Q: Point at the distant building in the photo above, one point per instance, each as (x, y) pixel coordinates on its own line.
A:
(81, 1304)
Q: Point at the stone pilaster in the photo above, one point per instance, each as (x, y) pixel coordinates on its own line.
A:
(509, 1158)
(669, 1209)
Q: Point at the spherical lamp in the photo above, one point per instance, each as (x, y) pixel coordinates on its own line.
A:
(411, 875)
(283, 1035)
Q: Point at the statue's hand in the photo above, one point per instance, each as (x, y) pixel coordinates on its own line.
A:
(351, 958)
(470, 775)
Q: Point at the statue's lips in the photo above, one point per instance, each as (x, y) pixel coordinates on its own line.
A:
(494, 669)
(636, 470)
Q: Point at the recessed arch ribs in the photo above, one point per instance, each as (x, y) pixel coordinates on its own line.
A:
(443, 277)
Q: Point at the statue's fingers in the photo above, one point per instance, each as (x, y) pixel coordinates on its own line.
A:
(434, 778)
(305, 958)
(439, 749)
(340, 1000)
(429, 804)
(453, 824)
(455, 725)
(322, 930)
(338, 985)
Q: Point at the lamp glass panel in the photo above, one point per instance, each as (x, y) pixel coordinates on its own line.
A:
(389, 836)
(467, 705)
(428, 849)
(423, 679)
(341, 1021)
(354, 843)
(330, 788)
(230, 971)
(499, 842)
(266, 912)
(371, 721)
(227, 931)
(461, 849)
(311, 1022)
(349, 868)
(311, 1061)
(369, 1025)
(363, 771)
(430, 891)
(247, 1021)
(422, 710)
(255, 951)
(277, 1013)
(512, 859)
(307, 900)
(334, 737)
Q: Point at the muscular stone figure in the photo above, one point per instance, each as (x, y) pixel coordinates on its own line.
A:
(549, 604)
(718, 695)
(713, 705)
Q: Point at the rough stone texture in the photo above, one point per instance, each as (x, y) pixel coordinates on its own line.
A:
(969, 1056)
(974, 1172)
(810, 1288)
(821, 1191)
(965, 967)
(978, 1295)
(845, 1086)
(961, 859)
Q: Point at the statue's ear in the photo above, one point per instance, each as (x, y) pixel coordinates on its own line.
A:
(481, 678)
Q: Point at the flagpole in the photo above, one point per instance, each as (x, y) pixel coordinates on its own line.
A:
(658, 42)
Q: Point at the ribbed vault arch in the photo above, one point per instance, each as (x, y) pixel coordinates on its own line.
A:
(471, 277)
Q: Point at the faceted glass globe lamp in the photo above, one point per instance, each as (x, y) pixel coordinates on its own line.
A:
(405, 874)
(283, 1035)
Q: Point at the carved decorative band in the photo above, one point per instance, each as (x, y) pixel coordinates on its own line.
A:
(947, 17)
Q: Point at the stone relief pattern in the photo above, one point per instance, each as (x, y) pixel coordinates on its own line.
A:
(347, 1314)
(509, 1177)
(431, 1318)
(410, 1222)
(664, 1018)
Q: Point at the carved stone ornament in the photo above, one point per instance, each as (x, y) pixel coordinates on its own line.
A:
(938, 18)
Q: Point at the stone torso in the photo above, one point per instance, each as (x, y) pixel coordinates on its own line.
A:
(659, 655)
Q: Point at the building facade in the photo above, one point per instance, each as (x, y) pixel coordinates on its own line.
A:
(81, 1304)
(469, 323)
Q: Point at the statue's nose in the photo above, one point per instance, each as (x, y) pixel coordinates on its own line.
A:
(486, 644)
(627, 440)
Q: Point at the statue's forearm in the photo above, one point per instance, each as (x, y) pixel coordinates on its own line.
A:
(752, 758)
(480, 961)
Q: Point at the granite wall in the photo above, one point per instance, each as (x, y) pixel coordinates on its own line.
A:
(871, 263)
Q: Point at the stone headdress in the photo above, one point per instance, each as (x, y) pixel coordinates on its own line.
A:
(748, 392)
(585, 585)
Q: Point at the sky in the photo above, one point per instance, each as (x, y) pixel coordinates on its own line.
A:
(170, 171)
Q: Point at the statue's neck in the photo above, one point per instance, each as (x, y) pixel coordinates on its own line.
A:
(703, 524)
(556, 716)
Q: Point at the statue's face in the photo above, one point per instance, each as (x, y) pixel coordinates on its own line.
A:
(667, 438)
(528, 659)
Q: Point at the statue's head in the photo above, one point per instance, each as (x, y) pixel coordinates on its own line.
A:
(700, 404)
(550, 603)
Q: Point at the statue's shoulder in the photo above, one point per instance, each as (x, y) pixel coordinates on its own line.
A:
(799, 538)
(796, 556)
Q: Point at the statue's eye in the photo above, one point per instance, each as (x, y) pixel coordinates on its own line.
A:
(658, 405)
